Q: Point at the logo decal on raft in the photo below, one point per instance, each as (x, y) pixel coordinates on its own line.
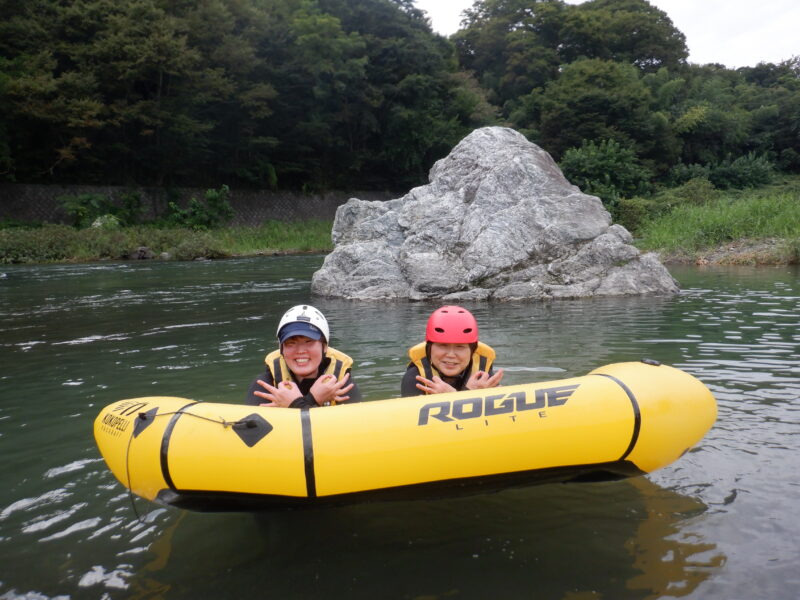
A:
(497, 404)
(116, 425)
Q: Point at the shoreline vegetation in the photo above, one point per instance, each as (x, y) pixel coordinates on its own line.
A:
(732, 227)
(694, 224)
(66, 244)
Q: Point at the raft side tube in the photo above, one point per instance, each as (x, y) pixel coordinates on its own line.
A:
(677, 410)
(460, 435)
(206, 456)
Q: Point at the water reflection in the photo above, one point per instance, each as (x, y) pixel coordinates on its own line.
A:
(635, 537)
(673, 559)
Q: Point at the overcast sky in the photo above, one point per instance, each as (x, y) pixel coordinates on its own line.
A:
(735, 33)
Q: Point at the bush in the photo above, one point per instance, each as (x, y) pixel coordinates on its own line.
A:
(130, 210)
(277, 236)
(607, 170)
(633, 213)
(106, 222)
(86, 209)
(214, 212)
(54, 243)
(789, 160)
(746, 171)
(199, 245)
(42, 244)
(681, 173)
(694, 192)
(698, 190)
(14, 223)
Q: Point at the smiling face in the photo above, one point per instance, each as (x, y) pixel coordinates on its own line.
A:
(303, 355)
(450, 359)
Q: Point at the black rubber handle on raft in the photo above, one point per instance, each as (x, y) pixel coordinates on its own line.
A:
(144, 420)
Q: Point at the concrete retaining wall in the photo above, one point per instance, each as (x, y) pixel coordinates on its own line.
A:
(40, 203)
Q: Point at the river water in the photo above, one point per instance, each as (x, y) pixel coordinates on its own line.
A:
(721, 522)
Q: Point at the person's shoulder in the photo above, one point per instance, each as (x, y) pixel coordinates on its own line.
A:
(408, 385)
(411, 372)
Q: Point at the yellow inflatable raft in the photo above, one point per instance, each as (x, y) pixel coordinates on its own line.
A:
(618, 421)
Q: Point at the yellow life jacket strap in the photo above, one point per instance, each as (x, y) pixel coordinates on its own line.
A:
(485, 355)
(338, 365)
(482, 360)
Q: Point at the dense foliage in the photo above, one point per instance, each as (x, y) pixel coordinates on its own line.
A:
(290, 93)
(360, 94)
(570, 74)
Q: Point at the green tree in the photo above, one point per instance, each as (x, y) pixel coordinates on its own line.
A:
(606, 169)
(595, 100)
(627, 31)
(512, 45)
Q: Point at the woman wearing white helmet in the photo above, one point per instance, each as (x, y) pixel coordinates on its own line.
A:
(304, 371)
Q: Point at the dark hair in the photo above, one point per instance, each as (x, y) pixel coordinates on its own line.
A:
(472, 348)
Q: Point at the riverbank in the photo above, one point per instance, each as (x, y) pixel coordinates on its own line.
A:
(746, 227)
(65, 244)
(732, 227)
(62, 244)
(745, 252)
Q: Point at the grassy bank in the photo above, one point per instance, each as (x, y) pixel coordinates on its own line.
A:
(276, 237)
(61, 243)
(706, 226)
(745, 227)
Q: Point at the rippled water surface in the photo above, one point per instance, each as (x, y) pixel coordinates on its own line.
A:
(719, 523)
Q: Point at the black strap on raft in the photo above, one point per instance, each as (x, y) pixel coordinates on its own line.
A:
(637, 414)
(308, 453)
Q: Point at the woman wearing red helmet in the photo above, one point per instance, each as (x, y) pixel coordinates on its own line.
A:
(451, 358)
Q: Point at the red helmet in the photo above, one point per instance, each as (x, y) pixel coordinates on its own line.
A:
(452, 325)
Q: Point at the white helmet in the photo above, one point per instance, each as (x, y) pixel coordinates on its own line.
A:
(305, 320)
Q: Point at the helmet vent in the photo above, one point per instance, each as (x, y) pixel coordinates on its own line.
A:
(451, 325)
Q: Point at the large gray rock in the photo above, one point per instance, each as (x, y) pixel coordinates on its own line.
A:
(498, 220)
